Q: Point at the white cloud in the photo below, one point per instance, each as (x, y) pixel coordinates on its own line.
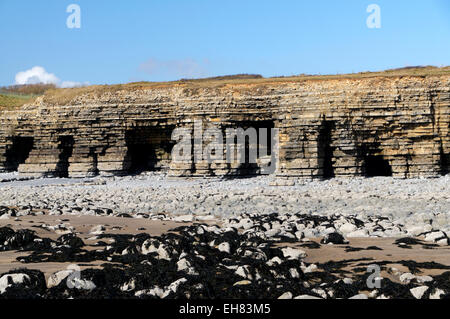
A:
(71, 84)
(38, 74)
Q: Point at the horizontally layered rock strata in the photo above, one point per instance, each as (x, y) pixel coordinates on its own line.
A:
(395, 126)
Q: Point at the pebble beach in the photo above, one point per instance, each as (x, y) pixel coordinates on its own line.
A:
(153, 236)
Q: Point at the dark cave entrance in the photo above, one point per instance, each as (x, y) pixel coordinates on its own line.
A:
(19, 152)
(264, 146)
(376, 165)
(325, 150)
(444, 162)
(65, 147)
(149, 148)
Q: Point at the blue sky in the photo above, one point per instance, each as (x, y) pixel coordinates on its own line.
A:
(155, 40)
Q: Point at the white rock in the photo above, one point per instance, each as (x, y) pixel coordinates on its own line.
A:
(97, 230)
(272, 232)
(206, 218)
(56, 278)
(155, 291)
(443, 241)
(358, 233)
(360, 296)
(242, 283)
(246, 224)
(183, 264)
(347, 281)
(81, 283)
(435, 236)
(184, 218)
(127, 251)
(437, 293)
(128, 286)
(299, 235)
(373, 293)
(320, 292)
(406, 278)
(424, 279)
(310, 233)
(418, 292)
(286, 295)
(232, 267)
(173, 287)
(273, 261)
(243, 271)
(347, 228)
(7, 281)
(148, 248)
(306, 297)
(294, 273)
(224, 247)
(394, 271)
(310, 268)
(417, 230)
(293, 253)
(286, 234)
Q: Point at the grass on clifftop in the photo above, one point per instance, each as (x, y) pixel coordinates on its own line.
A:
(56, 96)
(15, 96)
(64, 96)
(10, 102)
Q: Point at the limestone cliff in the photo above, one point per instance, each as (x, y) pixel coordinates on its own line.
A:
(333, 127)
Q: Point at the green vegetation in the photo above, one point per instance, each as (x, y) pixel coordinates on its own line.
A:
(10, 101)
(15, 96)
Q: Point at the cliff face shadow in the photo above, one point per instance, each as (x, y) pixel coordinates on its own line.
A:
(148, 149)
(372, 163)
(65, 147)
(325, 150)
(376, 166)
(444, 162)
(19, 151)
(262, 146)
(142, 158)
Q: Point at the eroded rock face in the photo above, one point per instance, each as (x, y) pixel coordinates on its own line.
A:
(374, 126)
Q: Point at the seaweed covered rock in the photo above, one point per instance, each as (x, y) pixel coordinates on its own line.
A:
(70, 240)
(22, 284)
(334, 238)
(202, 261)
(16, 240)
